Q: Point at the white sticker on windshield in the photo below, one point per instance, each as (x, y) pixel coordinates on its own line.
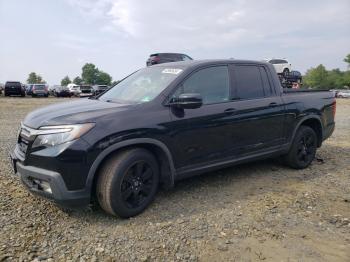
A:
(174, 71)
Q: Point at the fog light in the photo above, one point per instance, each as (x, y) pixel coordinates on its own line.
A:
(43, 185)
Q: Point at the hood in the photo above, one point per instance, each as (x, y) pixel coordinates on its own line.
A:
(74, 112)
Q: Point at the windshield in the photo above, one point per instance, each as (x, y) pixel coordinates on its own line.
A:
(142, 86)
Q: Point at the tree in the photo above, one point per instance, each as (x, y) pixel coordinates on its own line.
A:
(78, 80)
(347, 60)
(335, 78)
(316, 77)
(89, 73)
(65, 81)
(34, 78)
(103, 78)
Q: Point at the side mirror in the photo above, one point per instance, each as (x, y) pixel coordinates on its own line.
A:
(188, 101)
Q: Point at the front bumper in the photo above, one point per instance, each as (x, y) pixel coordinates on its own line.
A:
(31, 177)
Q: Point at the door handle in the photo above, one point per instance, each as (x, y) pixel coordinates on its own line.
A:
(273, 104)
(230, 111)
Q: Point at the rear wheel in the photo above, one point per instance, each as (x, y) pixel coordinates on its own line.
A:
(128, 182)
(304, 148)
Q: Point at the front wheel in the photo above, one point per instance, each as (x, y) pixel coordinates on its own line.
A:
(127, 182)
(303, 149)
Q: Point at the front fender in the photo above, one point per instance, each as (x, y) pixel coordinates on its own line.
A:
(126, 143)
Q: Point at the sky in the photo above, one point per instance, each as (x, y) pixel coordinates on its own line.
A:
(56, 38)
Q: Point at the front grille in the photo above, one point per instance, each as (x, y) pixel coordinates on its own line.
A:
(22, 146)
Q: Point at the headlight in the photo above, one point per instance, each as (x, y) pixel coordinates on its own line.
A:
(48, 136)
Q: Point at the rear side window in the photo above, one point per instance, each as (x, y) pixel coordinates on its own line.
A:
(265, 81)
(248, 82)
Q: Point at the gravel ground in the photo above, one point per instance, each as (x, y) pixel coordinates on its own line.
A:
(259, 211)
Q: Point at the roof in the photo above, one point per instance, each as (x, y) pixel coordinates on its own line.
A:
(194, 63)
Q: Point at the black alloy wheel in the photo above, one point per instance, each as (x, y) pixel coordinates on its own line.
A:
(128, 182)
(137, 184)
(303, 148)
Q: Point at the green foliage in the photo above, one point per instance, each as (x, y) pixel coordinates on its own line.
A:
(347, 60)
(321, 78)
(34, 78)
(78, 80)
(316, 77)
(103, 78)
(65, 81)
(89, 73)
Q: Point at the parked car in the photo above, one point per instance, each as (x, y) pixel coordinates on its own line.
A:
(14, 88)
(62, 91)
(74, 89)
(51, 90)
(29, 88)
(281, 66)
(160, 58)
(39, 90)
(343, 94)
(98, 89)
(165, 123)
(86, 90)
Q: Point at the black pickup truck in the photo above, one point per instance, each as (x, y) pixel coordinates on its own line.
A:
(164, 123)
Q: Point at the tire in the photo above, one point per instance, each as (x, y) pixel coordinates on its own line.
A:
(128, 182)
(285, 71)
(303, 149)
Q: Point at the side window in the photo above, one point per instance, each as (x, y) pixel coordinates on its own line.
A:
(211, 83)
(248, 82)
(265, 81)
(185, 58)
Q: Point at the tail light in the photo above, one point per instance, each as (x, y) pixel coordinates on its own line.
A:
(46, 88)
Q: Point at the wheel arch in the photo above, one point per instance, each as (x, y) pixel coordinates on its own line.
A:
(159, 149)
(315, 123)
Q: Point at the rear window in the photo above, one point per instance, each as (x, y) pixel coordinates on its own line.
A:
(39, 87)
(13, 84)
(278, 61)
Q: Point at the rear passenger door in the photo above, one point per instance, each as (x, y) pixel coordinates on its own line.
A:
(259, 111)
